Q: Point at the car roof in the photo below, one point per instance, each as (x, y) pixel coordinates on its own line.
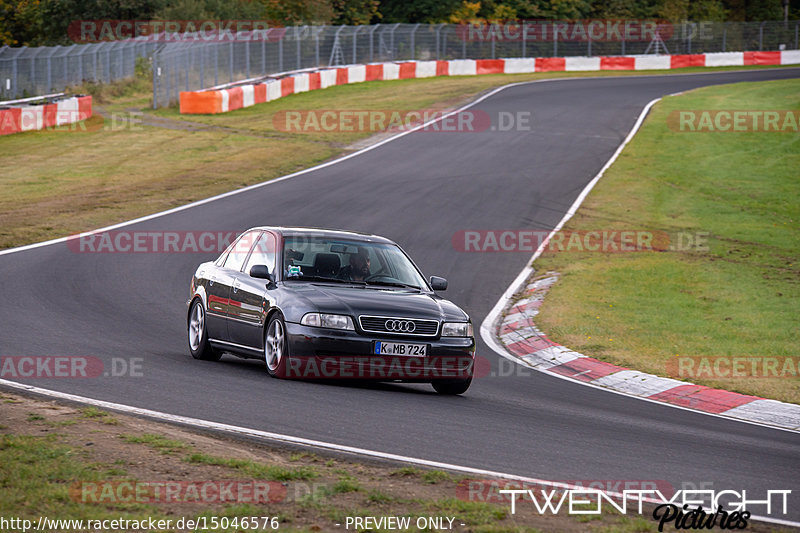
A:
(324, 232)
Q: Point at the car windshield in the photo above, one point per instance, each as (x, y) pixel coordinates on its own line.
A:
(348, 261)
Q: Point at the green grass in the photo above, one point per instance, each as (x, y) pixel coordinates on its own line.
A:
(254, 469)
(473, 513)
(99, 415)
(38, 475)
(58, 183)
(737, 298)
(435, 476)
(158, 442)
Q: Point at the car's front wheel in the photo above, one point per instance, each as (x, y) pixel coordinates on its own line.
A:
(275, 351)
(198, 335)
(452, 386)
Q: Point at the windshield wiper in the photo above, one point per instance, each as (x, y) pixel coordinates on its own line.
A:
(323, 278)
(393, 284)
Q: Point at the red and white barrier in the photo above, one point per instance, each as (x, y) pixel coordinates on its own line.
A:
(19, 118)
(521, 338)
(223, 100)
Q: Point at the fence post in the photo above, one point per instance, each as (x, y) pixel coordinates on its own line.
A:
(796, 43)
(280, 52)
(230, 62)
(355, 41)
(189, 67)
(492, 29)
(724, 36)
(371, 43)
(80, 66)
(14, 82)
(202, 65)
(524, 29)
(391, 41)
(264, 53)
(316, 49)
(247, 59)
(414, 41)
(216, 64)
(297, 38)
(155, 79)
(760, 36)
(555, 41)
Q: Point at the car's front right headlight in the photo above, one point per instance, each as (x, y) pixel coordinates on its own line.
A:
(324, 320)
(457, 329)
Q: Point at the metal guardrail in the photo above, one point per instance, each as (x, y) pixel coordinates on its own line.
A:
(185, 64)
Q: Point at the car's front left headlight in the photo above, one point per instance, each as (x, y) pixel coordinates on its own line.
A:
(457, 329)
(324, 320)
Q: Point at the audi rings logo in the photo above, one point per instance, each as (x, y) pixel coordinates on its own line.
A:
(400, 326)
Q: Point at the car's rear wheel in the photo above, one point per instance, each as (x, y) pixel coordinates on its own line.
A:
(452, 386)
(198, 335)
(275, 347)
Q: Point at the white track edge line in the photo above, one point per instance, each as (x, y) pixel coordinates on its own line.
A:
(266, 435)
(487, 326)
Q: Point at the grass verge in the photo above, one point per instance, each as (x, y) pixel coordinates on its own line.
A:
(735, 297)
(85, 470)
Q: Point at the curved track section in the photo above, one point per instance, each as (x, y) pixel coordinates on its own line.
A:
(419, 190)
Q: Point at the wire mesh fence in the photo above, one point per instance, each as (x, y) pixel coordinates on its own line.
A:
(184, 66)
(26, 72)
(185, 62)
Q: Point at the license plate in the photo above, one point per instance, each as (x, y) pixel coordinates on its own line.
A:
(401, 348)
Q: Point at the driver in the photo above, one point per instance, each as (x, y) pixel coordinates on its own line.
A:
(358, 269)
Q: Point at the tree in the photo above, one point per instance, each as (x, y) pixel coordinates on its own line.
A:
(298, 12)
(20, 23)
(412, 11)
(353, 12)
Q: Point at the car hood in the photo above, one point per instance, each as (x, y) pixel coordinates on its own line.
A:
(356, 301)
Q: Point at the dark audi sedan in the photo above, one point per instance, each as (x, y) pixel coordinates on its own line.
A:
(325, 304)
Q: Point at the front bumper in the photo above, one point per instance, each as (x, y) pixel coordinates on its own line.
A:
(319, 353)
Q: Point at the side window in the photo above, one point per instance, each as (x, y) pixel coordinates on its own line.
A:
(239, 250)
(263, 253)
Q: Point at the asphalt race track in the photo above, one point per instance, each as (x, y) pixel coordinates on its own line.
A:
(419, 190)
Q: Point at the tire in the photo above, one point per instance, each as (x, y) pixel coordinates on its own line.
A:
(198, 334)
(276, 346)
(451, 387)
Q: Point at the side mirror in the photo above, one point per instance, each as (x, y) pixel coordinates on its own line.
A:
(259, 272)
(438, 284)
(262, 272)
